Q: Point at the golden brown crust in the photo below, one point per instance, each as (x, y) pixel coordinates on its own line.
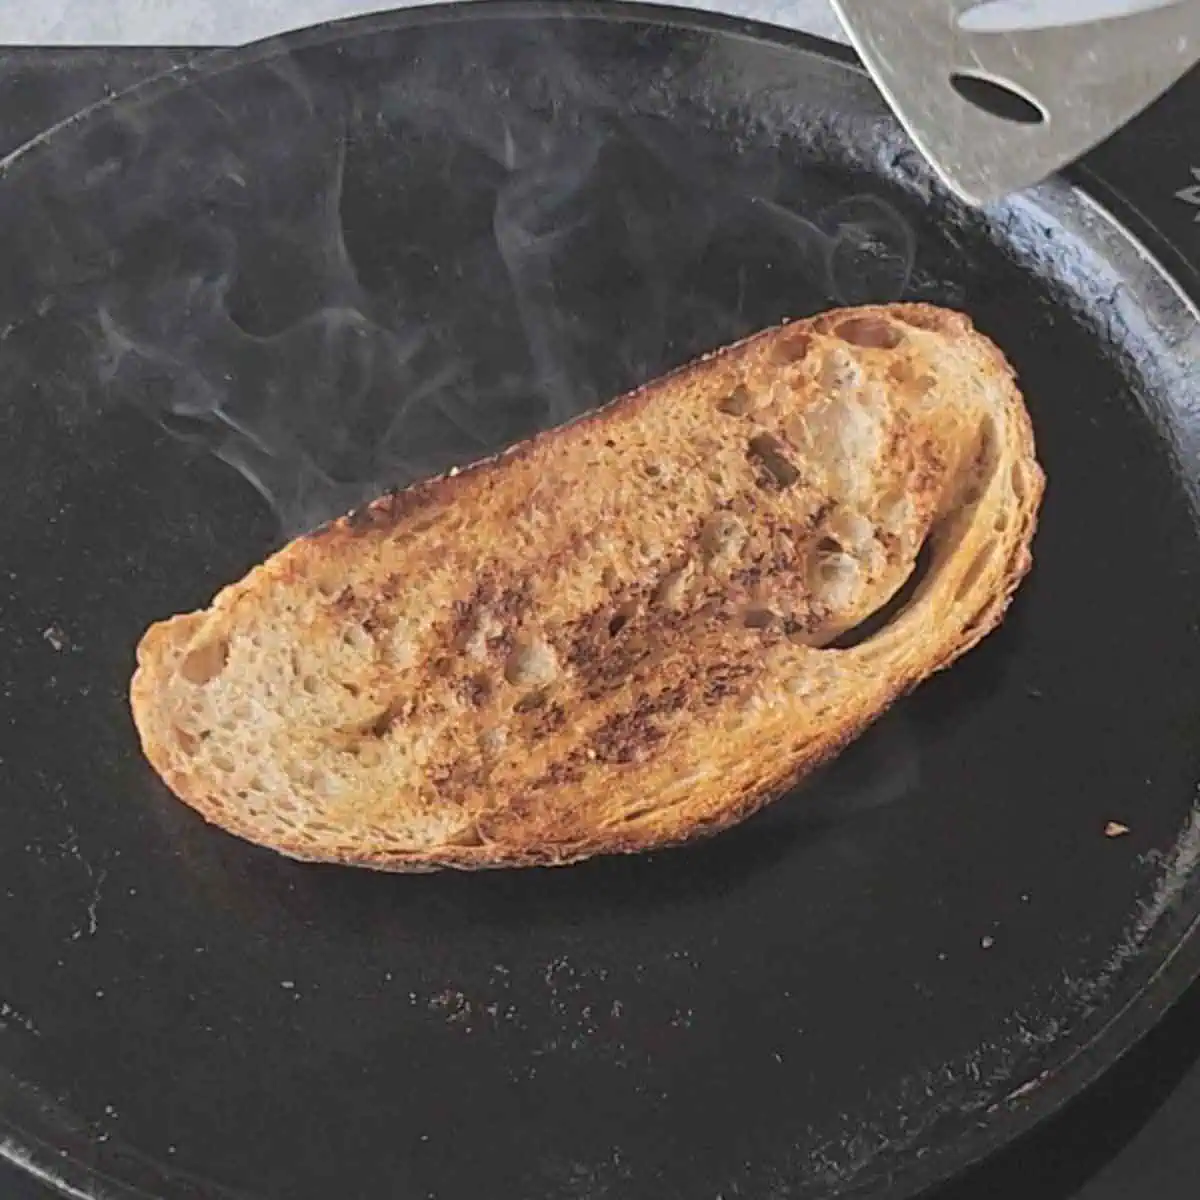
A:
(621, 634)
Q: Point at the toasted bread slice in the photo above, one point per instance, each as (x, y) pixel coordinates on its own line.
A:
(623, 633)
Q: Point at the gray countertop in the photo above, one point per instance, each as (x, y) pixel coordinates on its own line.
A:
(231, 22)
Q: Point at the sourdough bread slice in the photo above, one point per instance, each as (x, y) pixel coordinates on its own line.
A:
(623, 633)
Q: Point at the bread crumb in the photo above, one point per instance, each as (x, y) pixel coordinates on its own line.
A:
(987, 941)
(56, 637)
(1115, 829)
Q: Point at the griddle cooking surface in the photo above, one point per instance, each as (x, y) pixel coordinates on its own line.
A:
(314, 269)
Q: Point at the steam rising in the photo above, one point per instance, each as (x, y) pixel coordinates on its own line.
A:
(339, 286)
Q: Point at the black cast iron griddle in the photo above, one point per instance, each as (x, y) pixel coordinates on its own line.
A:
(346, 258)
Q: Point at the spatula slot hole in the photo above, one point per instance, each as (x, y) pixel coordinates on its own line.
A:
(1019, 16)
(997, 98)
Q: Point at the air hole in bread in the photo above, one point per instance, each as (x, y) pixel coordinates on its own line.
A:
(759, 617)
(222, 762)
(530, 662)
(770, 452)
(187, 742)
(351, 689)
(935, 322)
(836, 581)
(883, 616)
(1019, 487)
(974, 572)
(204, 663)
(621, 618)
(799, 633)
(492, 742)
(744, 506)
(840, 376)
(470, 836)
(910, 385)
(988, 449)
(636, 815)
(479, 689)
(791, 346)
(829, 545)
(653, 470)
(1000, 524)
(531, 701)
(852, 530)
(871, 333)
(721, 533)
(738, 403)
(356, 638)
(979, 618)
(380, 725)
(310, 685)
(670, 588)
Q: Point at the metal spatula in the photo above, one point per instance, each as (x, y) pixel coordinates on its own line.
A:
(998, 94)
